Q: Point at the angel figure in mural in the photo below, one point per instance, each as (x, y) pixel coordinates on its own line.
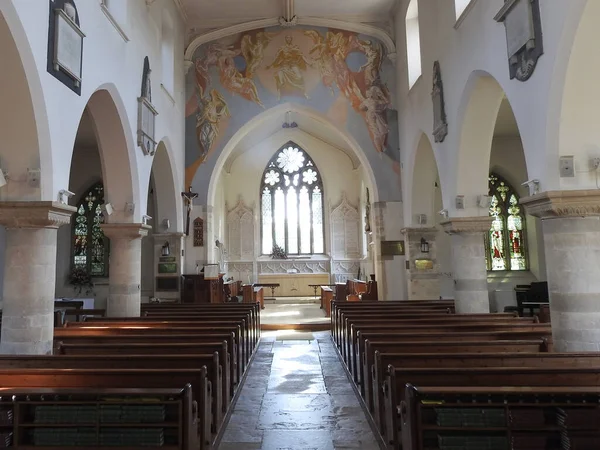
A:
(202, 66)
(212, 111)
(372, 67)
(338, 47)
(375, 105)
(321, 55)
(232, 79)
(289, 62)
(254, 52)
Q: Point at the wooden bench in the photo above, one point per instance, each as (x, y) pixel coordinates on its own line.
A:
(326, 299)
(150, 339)
(375, 362)
(184, 348)
(122, 378)
(210, 362)
(545, 374)
(519, 417)
(41, 417)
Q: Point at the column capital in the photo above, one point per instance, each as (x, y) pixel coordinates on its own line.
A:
(35, 214)
(125, 230)
(429, 232)
(479, 224)
(579, 203)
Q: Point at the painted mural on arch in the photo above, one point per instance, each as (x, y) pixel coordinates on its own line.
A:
(339, 73)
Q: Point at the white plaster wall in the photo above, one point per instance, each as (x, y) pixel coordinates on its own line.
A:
(334, 166)
(477, 47)
(108, 62)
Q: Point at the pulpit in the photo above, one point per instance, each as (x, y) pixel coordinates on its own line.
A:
(198, 289)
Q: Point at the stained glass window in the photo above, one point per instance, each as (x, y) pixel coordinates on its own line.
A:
(90, 246)
(292, 203)
(505, 242)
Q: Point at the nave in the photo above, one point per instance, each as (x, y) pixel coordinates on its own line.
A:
(297, 396)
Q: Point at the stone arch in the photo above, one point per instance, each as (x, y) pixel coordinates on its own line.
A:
(167, 189)
(425, 177)
(572, 122)
(24, 127)
(477, 118)
(266, 118)
(117, 153)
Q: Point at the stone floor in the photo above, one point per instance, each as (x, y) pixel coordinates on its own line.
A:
(297, 397)
(292, 313)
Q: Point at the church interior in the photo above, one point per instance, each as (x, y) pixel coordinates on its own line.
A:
(299, 224)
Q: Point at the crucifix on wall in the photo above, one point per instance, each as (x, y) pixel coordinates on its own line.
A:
(188, 198)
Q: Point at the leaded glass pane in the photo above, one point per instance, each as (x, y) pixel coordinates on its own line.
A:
(89, 243)
(288, 184)
(279, 217)
(317, 207)
(304, 217)
(506, 245)
(292, 220)
(267, 222)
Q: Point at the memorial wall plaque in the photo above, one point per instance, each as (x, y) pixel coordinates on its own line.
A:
(392, 248)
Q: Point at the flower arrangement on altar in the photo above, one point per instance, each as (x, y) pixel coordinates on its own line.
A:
(278, 252)
(81, 280)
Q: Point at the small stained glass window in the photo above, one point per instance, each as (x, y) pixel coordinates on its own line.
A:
(505, 242)
(292, 203)
(90, 245)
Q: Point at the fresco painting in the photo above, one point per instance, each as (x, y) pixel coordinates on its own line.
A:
(268, 66)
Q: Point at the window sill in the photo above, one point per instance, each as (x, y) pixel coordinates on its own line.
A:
(464, 14)
(114, 22)
(169, 95)
(415, 84)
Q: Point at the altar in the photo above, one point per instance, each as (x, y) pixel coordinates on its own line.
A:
(294, 284)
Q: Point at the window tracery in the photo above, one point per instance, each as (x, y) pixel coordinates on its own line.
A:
(292, 203)
(505, 243)
(90, 245)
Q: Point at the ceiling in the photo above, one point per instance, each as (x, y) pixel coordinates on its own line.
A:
(212, 14)
(309, 125)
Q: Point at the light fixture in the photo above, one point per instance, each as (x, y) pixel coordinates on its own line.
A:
(165, 250)
(424, 246)
(108, 208)
(146, 218)
(64, 195)
(3, 177)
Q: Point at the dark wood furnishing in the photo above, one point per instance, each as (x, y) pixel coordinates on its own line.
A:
(196, 289)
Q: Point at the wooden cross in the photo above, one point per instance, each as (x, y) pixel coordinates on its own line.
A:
(188, 198)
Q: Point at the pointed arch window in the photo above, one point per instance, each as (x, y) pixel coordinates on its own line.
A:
(90, 245)
(292, 203)
(506, 241)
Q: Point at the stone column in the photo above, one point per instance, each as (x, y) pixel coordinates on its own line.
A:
(30, 275)
(422, 268)
(125, 270)
(468, 261)
(571, 229)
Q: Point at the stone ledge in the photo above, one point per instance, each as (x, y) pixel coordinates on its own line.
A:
(427, 232)
(580, 203)
(125, 230)
(479, 224)
(35, 214)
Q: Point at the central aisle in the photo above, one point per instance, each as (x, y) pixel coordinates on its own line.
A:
(297, 397)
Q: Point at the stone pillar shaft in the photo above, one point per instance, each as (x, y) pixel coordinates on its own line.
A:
(424, 276)
(468, 262)
(30, 275)
(125, 272)
(571, 228)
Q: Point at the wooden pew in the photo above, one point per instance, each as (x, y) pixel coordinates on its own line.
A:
(374, 364)
(211, 362)
(185, 348)
(166, 332)
(472, 326)
(156, 339)
(122, 378)
(326, 298)
(545, 374)
(179, 425)
(523, 417)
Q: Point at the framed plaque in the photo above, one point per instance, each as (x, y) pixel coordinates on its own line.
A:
(392, 248)
(68, 46)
